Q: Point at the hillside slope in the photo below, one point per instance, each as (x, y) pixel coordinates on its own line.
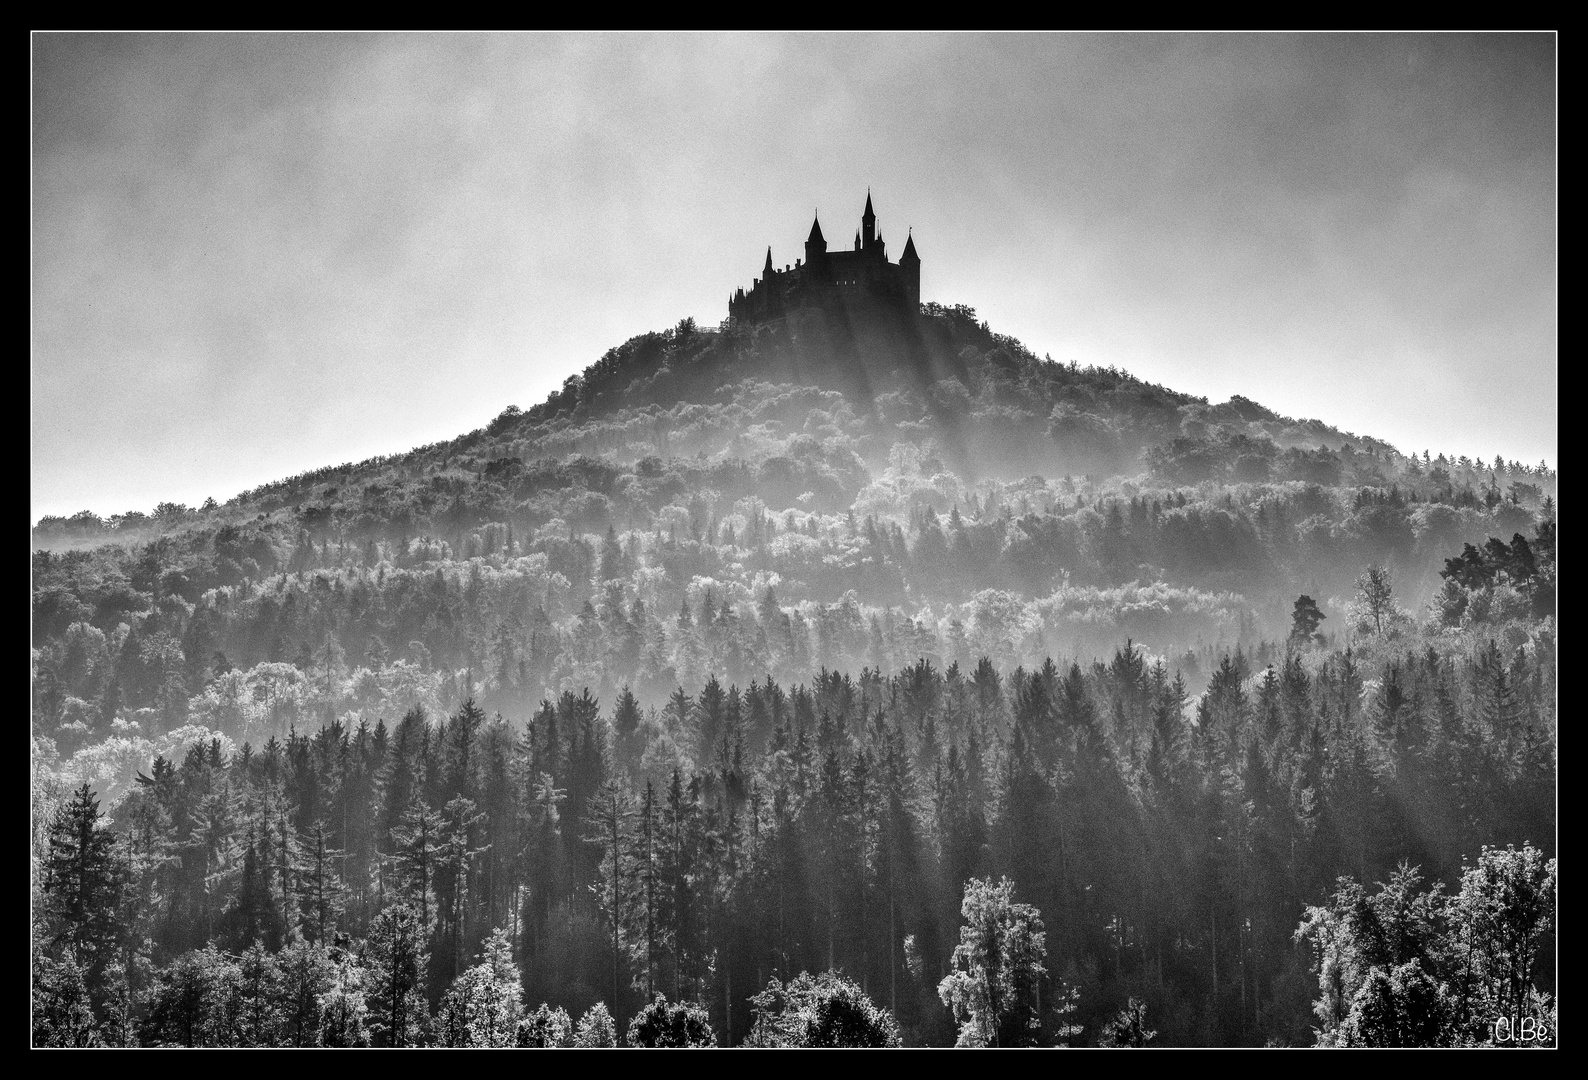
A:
(871, 516)
(843, 636)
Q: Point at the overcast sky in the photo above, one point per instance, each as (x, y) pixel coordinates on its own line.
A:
(257, 255)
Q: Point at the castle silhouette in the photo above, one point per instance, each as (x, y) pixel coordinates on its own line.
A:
(858, 285)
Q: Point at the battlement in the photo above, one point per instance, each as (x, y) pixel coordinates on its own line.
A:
(844, 280)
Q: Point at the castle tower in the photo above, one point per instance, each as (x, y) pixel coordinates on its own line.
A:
(910, 268)
(868, 224)
(816, 252)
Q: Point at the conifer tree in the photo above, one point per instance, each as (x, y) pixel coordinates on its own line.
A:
(63, 1015)
(417, 842)
(994, 985)
(609, 825)
(321, 896)
(397, 960)
(261, 994)
(83, 881)
(344, 1010)
(305, 970)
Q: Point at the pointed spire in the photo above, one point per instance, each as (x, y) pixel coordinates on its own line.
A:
(909, 250)
(768, 267)
(816, 236)
(869, 214)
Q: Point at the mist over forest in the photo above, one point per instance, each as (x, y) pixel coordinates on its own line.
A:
(766, 677)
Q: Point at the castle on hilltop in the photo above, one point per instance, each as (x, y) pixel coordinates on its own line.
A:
(852, 283)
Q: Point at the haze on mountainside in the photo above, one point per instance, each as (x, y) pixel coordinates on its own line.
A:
(742, 657)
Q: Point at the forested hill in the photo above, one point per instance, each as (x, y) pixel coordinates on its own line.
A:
(858, 637)
(962, 500)
(685, 462)
(754, 397)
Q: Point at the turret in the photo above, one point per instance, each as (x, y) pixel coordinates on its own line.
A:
(868, 223)
(910, 268)
(816, 252)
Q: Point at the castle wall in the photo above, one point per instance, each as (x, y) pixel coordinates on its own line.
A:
(845, 277)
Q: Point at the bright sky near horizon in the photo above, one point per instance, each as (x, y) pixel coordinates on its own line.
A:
(255, 255)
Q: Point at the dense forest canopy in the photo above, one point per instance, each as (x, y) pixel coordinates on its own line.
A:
(739, 694)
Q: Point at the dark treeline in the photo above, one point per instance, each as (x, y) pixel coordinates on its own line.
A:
(124, 665)
(1172, 847)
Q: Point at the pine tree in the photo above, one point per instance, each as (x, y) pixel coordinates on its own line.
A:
(321, 896)
(305, 971)
(678, 902)
(995, 980)
(646, 856)
(483, 1007)
(596, 1028)
(261, 995)
(83, 881)
(609, 826)
(62, 1013)
(417, 843)
(344, 1010)
(254, 917)
(625, 726)
(397, 960)
(456, 858)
